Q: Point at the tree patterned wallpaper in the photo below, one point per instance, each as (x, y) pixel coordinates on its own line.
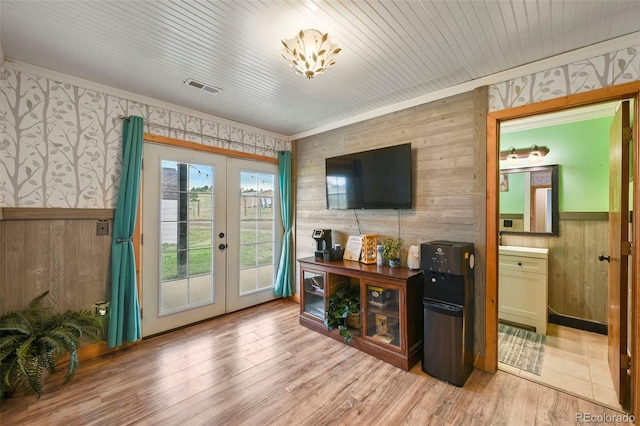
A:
(60, 144)
(602, 71)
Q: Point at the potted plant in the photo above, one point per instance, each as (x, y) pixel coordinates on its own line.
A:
(391, 250)
(343, 311)
(33, 340)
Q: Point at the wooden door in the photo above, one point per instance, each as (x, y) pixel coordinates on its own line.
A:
(619, 250)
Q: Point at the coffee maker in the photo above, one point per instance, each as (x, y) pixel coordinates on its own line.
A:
(323, 241)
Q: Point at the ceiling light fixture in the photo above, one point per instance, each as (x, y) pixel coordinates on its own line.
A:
(534, 154)
(310, 52)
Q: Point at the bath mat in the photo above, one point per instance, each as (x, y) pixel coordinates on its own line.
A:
(521, 348)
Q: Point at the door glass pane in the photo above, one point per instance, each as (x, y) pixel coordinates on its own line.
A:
(201, 206)
(257, 224)
(248, 232)
(265, 254)
(383, 314)
(187, 236)
(265, 276)
(313, 293)
(200, 262)
(200, 234)
(170, 266)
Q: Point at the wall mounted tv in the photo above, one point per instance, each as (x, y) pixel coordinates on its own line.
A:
(375, 179)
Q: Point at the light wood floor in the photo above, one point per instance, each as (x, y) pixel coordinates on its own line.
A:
(575, 361)
(259, 366)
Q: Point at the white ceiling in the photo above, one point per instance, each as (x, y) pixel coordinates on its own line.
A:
(392, 51)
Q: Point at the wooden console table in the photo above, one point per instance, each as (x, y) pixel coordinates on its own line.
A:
(391, 312)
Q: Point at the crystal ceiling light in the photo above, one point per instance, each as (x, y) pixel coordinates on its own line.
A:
(310, 52)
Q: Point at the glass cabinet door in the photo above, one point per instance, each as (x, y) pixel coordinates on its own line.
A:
(313, 299)
(383, 314)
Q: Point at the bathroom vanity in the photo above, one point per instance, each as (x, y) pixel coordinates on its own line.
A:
(523, 277)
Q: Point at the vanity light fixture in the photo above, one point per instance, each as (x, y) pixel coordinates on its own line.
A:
(310, 53)
(511, 156)
(534, 154)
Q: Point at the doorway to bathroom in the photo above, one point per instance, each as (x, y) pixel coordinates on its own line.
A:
(568, 343)
(574, 351)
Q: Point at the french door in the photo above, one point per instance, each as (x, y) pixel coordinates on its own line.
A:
(211, 235)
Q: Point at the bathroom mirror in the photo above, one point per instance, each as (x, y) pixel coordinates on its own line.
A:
(529, 200)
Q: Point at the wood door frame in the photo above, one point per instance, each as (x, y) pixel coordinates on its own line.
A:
(620, 92)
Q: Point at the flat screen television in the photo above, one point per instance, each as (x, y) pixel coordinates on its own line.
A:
(375, 179)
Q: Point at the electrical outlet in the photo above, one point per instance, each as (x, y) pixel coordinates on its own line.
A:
(102, 308)
(102, 227)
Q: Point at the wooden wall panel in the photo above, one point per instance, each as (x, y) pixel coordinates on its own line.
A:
(448, 140)
(37, 254)
(16, 291)
(577, 279)
(2, 268)
(65, 257)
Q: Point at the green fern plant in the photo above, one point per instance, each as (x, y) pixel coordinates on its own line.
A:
(34, 339)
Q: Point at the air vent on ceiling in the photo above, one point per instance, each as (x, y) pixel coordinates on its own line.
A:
(203, 86)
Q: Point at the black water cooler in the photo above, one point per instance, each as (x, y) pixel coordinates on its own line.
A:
(448, 310)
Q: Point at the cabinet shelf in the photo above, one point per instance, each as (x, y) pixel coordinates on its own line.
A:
(389, 311)
(391, 306)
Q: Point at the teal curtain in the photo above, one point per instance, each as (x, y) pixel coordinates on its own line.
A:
(283, 279)
(124, 315)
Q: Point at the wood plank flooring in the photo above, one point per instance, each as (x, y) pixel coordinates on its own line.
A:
(260, 367)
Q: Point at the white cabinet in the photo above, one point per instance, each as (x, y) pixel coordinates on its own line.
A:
(522, 286)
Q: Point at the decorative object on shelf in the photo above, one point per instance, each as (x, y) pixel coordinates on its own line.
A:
(379, 255)
(382, 331)
(353, 248)
(391, 251)
(310, 53)
(369, 253)
(34, 339)
(413, 257)
(343, 311)
(380, 297)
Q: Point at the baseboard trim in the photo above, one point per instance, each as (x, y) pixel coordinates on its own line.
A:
(580, 324)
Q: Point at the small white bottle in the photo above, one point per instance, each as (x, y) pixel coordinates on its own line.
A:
(379, 258)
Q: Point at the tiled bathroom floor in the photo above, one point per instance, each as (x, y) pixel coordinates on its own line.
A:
(575, 361)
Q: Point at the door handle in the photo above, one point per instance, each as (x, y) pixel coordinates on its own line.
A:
(602, 258)
(222, 246)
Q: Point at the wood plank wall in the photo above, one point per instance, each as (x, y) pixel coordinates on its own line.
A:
(577, 279)
(64, 256)
(448, 140)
